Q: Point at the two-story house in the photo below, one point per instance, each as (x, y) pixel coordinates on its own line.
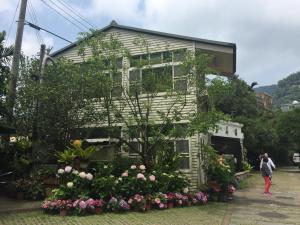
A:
(224, 62)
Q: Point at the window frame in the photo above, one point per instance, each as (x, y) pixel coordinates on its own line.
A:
(172, 63)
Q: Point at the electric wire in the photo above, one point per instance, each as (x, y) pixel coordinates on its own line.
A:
(34, 19)
(78, 21)
(62, 15)
(10, 26)
(75, 12)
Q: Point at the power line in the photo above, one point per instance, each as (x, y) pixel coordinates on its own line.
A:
(71, 9)
(40, 28)
(13, 20)
(69, 14)
(61, 15)
(34, 19)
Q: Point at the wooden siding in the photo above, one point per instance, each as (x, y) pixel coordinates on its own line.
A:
(156, 44)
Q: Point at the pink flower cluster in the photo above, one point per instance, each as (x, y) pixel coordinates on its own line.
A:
(231, 188)
(79, 204)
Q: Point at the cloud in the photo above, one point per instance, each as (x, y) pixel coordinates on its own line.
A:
(266, 32)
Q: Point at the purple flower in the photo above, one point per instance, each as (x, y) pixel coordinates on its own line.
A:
(123, 205)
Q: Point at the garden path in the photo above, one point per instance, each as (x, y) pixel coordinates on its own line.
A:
(250, 206)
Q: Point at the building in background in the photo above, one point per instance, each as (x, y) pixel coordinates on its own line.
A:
(264, 101)
(290, 106)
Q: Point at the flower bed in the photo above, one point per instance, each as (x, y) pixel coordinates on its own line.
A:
(91, 192)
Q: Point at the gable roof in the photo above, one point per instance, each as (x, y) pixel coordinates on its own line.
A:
(114, 24)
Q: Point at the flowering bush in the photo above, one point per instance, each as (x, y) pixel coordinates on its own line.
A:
(220, 174)
(201, 197)
(160, 200)
(181, 199)
(117, 205)
(137, 202)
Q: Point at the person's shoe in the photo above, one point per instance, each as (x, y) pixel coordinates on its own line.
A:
(265, 193)
(269, 193)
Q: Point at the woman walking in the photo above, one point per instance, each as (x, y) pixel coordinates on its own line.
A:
(266, 173)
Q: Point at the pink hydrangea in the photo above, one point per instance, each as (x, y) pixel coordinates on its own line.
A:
(125, 174)
(82, 204)
(152, 178)
(157, 200)
(140, 176)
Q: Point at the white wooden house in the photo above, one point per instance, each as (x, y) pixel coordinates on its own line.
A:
(224, 62)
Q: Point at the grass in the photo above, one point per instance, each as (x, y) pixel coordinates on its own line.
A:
(211, 214)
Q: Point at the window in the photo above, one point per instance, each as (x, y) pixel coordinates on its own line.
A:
(226, 130)
(159, 78)
(182, 147)
(156, 58)
(235, 132)
(134, 149)
(180, 78)
(116, 84)
(96, 132)
(179, 55)
(134, 81)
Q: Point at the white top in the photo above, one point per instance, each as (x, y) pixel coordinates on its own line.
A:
(269, 163)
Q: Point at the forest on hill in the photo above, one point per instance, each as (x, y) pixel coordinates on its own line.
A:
(286, 91)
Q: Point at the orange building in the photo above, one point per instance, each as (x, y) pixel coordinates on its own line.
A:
(264, 100)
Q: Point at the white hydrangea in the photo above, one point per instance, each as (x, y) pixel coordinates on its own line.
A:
(75, 172)
(142, 167)
(133, 167)
(89, 176)
(185, 190)
(60, 171)
(68, 169)
(70, 184)
(82, 175)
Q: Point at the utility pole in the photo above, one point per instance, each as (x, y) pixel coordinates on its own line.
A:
(11, 95)
(35, 127)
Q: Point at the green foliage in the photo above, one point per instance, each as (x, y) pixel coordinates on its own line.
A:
(287, 89)
(220, 170)
(246, 166)
(66, 157)
(84, 154)
(233, 97)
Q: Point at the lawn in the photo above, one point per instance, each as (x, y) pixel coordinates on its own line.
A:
(210, 214)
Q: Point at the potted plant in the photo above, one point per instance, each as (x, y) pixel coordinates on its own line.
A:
(98, 203)
(160, 200)
(84, 155)
(138, 202)
(171, 197)
(64, 206)
(20, 185)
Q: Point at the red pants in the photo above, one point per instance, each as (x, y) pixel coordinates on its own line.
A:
(267, 184)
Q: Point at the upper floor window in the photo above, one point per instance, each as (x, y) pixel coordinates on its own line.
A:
(158, 58)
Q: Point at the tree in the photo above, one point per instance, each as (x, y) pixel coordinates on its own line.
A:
(5, 57)
(288, 129)
(148, 109)
(59, 101)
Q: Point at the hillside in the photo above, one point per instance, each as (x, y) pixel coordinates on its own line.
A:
(269, 89)
(286, 90)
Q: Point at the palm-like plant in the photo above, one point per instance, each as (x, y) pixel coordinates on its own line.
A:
(5, 52)
(5, 58)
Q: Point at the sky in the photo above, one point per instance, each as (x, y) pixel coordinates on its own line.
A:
(266, 32)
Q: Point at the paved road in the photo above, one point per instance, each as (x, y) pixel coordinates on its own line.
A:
(252, 207)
